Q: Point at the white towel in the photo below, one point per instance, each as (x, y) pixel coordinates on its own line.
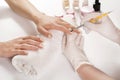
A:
(36, 62)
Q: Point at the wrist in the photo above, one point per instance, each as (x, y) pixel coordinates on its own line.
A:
(37, 18)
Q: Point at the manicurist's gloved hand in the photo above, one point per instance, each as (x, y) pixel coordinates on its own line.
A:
(73, 50)
(19, 45)
(106, 28)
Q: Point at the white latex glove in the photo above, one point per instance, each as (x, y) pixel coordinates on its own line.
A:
(73, 50)
(106, 28)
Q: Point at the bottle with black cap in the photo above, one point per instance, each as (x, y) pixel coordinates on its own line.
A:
(96, 6)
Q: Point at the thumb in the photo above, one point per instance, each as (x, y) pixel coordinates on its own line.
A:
(44, 32)
(87, 30)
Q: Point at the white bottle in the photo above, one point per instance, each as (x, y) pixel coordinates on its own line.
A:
(66, 4)
(85, 3)
(86, 9)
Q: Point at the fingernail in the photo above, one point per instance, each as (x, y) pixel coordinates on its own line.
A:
(49, 36)
(70, 29)
(26, 53)
(41, 40)
(41, 45)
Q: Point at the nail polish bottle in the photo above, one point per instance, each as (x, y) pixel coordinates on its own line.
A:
(85, 3)
(66, 4)
(96, 6)
(75, 4)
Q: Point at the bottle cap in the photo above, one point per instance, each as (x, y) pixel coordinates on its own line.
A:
(96, 6)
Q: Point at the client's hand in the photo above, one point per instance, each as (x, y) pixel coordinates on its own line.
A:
(19, 45)
(46, 23)
(106, 28)
(73, 49)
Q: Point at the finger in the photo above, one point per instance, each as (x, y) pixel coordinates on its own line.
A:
(32, 42)
(27, 47)
(64, 40)
(87, 24)
(78, 39)
(87, 30)
(44, 32)
(71, 38)
(68, 26)
(20, 52)
(91, 25)
(33, 38)
(62, 28)
(76, 30)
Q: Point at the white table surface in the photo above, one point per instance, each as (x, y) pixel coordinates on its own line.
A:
(104, 54)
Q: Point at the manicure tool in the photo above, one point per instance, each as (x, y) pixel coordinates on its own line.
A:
(78, 16)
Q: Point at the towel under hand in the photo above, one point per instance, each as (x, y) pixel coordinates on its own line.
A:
(35, 62)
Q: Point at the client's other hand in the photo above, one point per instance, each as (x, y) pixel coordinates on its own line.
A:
(19, 45)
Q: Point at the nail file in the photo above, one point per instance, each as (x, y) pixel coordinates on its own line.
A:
(77, 27)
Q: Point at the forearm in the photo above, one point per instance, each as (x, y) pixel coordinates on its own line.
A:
(89, 72)
(43, 22)
(25, 9)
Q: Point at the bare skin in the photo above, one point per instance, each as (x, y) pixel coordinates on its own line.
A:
(89, 72)
(19, 45)
(26, 9)
(43, 22)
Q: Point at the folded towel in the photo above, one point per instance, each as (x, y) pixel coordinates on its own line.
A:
(36, 62)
